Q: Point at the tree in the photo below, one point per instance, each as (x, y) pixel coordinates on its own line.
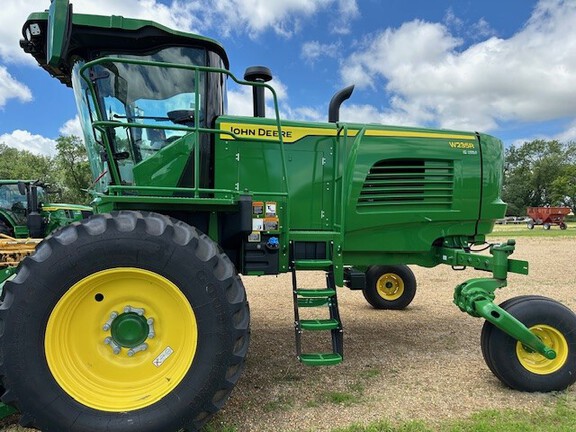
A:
(73, 169)
(564, 187)
(23, 165)
(533, 175)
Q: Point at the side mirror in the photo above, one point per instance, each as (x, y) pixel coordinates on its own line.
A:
(22, 188)
(59, 30)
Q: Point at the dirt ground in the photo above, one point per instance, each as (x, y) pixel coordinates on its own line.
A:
(421, 363)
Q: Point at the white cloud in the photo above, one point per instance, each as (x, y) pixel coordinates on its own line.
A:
(12, 89)
(314, 50)
(240, 99)
(24, 140)
(479, 30)
(256, 16)
(13, 16)
(529, 77)
(72, 127)
(240, 103)
(568, 135)
(222, 16)
(346, 13)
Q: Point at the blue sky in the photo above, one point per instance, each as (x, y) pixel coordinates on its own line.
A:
(503, 67)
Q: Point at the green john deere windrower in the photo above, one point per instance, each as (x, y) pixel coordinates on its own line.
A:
(136, 319)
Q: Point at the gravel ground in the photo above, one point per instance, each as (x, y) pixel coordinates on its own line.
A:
(421, 363)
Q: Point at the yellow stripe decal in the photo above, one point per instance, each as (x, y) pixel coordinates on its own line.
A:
(416, 134)
(292, 134)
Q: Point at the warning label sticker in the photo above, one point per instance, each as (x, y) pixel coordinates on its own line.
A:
(163, 356)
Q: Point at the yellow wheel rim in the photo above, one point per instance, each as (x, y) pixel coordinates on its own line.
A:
(390, 286)
(86, 367)
(537, 363)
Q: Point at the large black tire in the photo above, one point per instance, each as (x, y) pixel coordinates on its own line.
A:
(520, 368)
(389, 286)
(488, 328)
(54, 363)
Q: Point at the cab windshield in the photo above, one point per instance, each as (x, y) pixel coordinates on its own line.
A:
(150, 100)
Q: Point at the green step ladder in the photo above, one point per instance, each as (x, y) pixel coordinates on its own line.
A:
(317, 298)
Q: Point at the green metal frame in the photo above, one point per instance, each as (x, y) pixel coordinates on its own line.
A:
(102, 125)
(476, 296)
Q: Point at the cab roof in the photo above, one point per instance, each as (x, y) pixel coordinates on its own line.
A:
(87, 36)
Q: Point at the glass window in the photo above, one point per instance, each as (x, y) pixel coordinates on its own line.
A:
(151, 98)
(11, 198)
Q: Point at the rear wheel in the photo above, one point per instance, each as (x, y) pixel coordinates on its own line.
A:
(530, 225)
(390, 287)
(547, 226)
(132, 321)
(521, 368)
(563, 226)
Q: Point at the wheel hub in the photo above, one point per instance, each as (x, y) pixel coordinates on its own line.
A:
(129, 329)
(390, 286)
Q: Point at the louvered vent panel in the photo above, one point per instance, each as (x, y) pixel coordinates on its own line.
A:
(426, 184)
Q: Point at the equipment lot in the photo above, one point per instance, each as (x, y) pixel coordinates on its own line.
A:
(421, 363)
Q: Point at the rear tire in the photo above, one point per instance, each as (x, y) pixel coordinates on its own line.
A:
(519, 367)
(563, 226)
(547, 226)
(390, 287)
(53, 343)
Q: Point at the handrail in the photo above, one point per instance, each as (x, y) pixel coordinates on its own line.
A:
(102, 125)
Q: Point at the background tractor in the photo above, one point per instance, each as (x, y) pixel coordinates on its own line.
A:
(137, 319)
(26, 216)
(25, 210)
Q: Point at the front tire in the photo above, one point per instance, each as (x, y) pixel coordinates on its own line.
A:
(80, 310)
(390, 287)
(519, 367)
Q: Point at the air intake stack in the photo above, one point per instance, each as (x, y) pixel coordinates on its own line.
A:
(258, 74)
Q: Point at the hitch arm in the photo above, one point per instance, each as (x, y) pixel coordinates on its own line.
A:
(476, 296)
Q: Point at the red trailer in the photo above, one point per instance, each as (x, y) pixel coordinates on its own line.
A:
(547, 216)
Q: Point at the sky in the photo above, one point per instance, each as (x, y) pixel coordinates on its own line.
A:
(504, 67)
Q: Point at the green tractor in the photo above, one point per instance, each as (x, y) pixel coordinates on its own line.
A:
(137, 319)
(25, 210)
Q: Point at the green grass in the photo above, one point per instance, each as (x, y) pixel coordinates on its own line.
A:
(557, 417)
(520, 230)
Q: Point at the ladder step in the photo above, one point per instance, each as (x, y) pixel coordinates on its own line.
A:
(319, 359)
(319, 324)
(313, 264)
(312, 302)
(316, 292)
